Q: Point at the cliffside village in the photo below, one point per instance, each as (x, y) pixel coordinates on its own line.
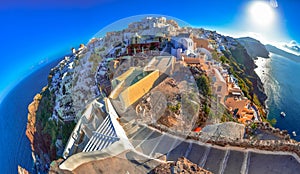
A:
(153, 36)
(121, 84)
(166, 44)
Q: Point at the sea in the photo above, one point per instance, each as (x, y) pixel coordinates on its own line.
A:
(281, 79)
(15, 147)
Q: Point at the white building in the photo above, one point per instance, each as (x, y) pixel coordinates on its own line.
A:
(154, 22)
(184, 43)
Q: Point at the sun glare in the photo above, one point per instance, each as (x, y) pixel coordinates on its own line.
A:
(261, 13)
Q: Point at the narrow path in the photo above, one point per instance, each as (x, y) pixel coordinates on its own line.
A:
(222, 160)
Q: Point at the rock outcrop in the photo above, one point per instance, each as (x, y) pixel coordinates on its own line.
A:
(230, 130)
(243, 66)
(283, 53)
(40, 139)
(254, 47)
(51, 114)
(32, 108)
(182, 165)
(21, 170)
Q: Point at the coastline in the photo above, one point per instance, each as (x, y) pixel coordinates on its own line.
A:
(13, 121)
(278, 88)
(45, 134)
(258, 71)
(40, 141)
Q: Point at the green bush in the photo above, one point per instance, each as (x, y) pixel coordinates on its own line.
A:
(272, 121)
(175, 108)
(206, 109)
(223, 59)
(253, 126)
(67, 129)
(203, 84)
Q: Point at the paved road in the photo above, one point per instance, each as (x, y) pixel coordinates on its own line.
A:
(223, 160)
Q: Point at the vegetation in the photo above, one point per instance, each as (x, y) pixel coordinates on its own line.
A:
(272, 121)
(208, 101)
(101, 49)
(253, 126)
(227, 116)
(206, 108)
(95, 60)
(66, 131)
(224, 59)
(214, 55)
(44, 113)
(237, 60)
(255, 100)
(48, 125)
(203, 84)
(175, 108)
(52, 129)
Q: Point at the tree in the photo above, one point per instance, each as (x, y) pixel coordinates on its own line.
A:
(203, 84)
(223, 59)
(215, 55)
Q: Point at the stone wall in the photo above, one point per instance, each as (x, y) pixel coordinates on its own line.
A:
(284, 145)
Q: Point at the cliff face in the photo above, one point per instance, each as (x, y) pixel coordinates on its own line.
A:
(45, 129)
(39, 137)
(243, 54)
(242, 67)
(283, 53)
(22, 170)
(31, 129)
(254, 47)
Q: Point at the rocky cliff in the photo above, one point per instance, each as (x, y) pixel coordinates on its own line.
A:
(31, 129)
(21, 170)
(40, 139)
(283, 53)
(51, 115)
(254, 47)
(242, 66)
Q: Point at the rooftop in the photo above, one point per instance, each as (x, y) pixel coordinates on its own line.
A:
(161, 63)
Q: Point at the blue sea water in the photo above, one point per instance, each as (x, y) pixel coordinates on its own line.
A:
(15, 147)
(281, 78)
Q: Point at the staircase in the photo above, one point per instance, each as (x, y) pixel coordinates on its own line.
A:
(104, 136)
(154, 144)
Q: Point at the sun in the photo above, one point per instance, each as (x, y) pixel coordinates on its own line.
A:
(261, 13)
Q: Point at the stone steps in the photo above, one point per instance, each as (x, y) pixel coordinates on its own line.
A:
(141, 136)
(102, 137)
(93, 138)
(129, 125)
(218, 160)
(164, 146)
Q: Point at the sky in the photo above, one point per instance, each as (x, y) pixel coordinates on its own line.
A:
(33, 32)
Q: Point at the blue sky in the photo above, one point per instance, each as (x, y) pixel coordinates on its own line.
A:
(32, 31)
